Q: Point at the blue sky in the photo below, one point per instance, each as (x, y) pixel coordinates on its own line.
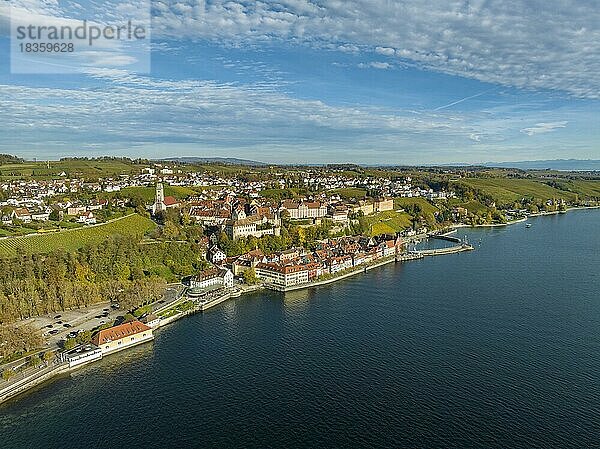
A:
(292, 81)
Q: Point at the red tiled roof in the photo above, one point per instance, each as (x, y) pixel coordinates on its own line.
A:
(170, 201)
(119, 332)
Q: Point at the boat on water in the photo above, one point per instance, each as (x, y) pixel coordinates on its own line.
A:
(527, 225)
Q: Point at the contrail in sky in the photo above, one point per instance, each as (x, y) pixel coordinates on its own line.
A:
(462, 99)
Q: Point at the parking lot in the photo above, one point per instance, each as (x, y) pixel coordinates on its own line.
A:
(57, 326)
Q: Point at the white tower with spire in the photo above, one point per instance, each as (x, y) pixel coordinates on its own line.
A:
(159, 202)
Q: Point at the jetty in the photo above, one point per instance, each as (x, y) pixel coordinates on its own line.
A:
(450, 250)
(461, 245)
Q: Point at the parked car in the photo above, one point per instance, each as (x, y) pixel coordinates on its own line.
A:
(53, 332)
(57, 317)
(67, 325)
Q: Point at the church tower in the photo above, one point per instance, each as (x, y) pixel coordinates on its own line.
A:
(159, 202)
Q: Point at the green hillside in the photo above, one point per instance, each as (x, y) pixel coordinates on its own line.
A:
(426, 206)
(504, 190)
(132, 225)
(388, 222)
(148, 193)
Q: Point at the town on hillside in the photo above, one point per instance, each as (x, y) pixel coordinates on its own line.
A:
(107, 258)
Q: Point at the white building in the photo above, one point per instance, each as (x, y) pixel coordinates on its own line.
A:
(162, 202)
(213, 276)
(82, 355)
(302, 210)
(282, 276)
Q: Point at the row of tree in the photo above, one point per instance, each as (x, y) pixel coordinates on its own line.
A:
(18, 339)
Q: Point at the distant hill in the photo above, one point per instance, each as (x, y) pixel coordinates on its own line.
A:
(553, 164)
(10, 159)
(214, 160)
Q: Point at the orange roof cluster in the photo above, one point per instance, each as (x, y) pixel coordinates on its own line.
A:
(119, 332)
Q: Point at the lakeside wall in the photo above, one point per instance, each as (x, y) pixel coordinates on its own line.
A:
(32, 380)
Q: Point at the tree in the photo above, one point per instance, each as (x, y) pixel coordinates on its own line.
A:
(250, 276)
(69, 344)
(48, 356)
(7, 374)
(170, 231)
(35, 361)
(84, 337)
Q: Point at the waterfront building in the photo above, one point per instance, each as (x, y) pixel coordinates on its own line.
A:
(388, 248)
(340, 263)
(82, 355)
(247, 261)
(122, 336)
(213, 276)
(283, 276)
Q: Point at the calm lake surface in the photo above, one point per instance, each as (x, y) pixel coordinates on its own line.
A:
(496, 348)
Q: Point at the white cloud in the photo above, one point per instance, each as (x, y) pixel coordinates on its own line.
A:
(385, 51)
(348, 48)
(375, 65)
(130, 109)
(542, 128)
(100, 51)
(524, 43)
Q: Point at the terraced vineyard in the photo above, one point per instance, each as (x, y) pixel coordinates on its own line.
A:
(70, 240)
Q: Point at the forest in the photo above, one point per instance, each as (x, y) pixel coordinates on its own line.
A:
(119, 269)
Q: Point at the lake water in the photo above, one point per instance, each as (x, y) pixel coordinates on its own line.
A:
(495, 348)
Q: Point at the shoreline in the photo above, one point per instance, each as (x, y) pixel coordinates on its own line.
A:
(520, 220)
(47, 374)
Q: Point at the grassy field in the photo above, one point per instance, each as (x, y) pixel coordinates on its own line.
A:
(279, 194)
(349, 193)
(388, 222)
(506, 191)
(474, 207)
(73, 239)
(148, 193)
(426, 206)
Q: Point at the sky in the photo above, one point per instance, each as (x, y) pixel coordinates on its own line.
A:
(307, 81)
